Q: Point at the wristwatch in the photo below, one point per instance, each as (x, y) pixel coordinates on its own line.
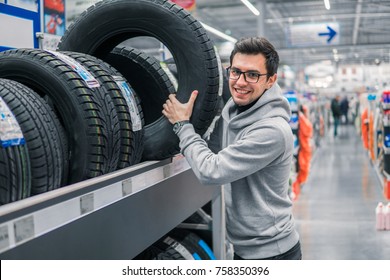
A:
(178, 125)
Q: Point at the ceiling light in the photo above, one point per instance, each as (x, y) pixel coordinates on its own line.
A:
(219, 33)
(327, 4)
(251, 7)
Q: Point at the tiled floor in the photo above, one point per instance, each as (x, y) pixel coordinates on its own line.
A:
(335, 212)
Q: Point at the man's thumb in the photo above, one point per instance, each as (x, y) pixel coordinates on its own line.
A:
(193, 97)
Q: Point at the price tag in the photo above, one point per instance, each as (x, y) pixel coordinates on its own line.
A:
(86, 203)
(10, 131)
(167, 171)
(127, 187)
(24, 229)
(4, 237)
(78, 68)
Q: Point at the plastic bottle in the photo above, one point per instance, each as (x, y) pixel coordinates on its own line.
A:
(387, 216)
(380, 216)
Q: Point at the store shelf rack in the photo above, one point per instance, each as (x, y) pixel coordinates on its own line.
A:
(115, 216)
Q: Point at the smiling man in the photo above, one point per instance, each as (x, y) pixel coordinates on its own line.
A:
(250, 153)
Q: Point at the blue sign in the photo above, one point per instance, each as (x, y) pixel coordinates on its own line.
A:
(330, 34)
(313, 34)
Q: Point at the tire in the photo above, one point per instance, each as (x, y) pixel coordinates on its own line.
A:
(154, 252)
(198, 248)
(110, 97)
(226, 91)
(149, 253)
(131, 118)
(199, 217)
(74, 101)
(168, 243)
(116, 21)
(15, 176)
(44, 136)
(171, 66)
(151, 83)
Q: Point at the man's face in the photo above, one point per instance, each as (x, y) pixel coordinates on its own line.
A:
(244, 93)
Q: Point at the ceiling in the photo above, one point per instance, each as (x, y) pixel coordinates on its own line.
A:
(362, 26)
(363, 34)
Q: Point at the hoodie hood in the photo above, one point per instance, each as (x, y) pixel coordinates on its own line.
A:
(271, 104)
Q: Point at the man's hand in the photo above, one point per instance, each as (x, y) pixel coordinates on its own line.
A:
(176, 111)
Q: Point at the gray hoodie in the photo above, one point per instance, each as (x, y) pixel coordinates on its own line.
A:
(254, 165)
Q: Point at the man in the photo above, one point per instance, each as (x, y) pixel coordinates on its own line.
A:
(255, 158)
(305, 133)
(344, 108)
(336, 112)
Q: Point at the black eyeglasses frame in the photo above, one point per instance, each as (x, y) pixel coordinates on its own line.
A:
(240, 72)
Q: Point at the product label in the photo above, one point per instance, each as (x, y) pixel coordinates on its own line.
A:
(24, 229)
(4, 237)
(78, 68)
(86, 203)
(10, 132)
(127, 187)
(131, 103)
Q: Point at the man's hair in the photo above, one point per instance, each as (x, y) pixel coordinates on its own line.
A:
(258, 45)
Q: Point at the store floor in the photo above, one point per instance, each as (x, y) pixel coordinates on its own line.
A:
(335, 212)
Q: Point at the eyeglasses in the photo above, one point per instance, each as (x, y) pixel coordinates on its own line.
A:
(250, 76)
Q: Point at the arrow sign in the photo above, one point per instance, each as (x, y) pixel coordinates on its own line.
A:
(331, 34)
(313, 34)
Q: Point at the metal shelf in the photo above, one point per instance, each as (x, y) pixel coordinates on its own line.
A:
(115, 216)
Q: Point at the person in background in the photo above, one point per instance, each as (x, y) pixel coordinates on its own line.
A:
(250, 153)
(344, 107)
(336, 112)
(305, 133)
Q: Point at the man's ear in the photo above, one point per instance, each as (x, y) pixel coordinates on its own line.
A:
(271, 80)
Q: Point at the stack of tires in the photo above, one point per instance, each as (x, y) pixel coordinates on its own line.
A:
(92, 107)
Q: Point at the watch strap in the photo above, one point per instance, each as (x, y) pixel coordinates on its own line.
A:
(178, 125)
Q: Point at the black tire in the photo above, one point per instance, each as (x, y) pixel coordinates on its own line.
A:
(118, 20)
(198, 217)
(169, 244)
(198, 248)
(156, 253)
(171, 66)
(131, 118)
(75, 102)
(169, 254)
(44, 136)
(15, 176)
(146, 77)
(133, 104)
(225, 91)
(111, 100)
(149, 253)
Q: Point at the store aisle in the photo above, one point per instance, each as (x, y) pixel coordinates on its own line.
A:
(335, 212)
